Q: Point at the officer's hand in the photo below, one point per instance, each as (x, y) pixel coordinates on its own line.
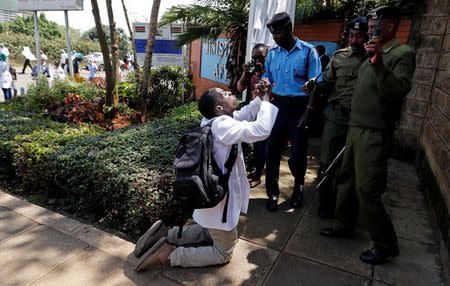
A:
(308, 86)
(302, 123)
(374, 46)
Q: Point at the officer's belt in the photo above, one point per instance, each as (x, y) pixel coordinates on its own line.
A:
(290, 99)
(344, 110)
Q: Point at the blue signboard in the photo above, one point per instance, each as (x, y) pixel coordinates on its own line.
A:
(161, 47)
(166, 47)
(140, 45)
(212, 67)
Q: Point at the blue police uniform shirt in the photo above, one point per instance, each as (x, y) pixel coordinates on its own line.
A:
(287, 71)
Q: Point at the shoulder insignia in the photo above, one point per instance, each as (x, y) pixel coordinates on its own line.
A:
(306, 44)
(341, 50)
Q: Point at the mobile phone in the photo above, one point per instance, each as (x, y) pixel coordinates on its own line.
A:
(375, 33)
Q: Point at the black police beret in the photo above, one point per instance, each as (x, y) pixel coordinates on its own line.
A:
(359, 24)
(388, 12)
(279, 22)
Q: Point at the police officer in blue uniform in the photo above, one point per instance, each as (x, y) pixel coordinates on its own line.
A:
(288, 66)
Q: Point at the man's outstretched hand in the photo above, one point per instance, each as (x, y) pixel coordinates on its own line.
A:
(263, 89)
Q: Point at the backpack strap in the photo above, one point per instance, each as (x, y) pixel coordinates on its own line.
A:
(229, 165)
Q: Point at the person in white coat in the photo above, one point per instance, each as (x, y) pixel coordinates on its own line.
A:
(252, 123)
(93, 70)
(4, 50)
(64, 58)
(44, 69)
(5, 78)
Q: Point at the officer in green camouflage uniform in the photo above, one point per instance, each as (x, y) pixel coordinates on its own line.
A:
(383, 82)
(339, 78)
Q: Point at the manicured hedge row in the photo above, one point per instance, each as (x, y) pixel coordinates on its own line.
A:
(123, 178)
(120, 178)
(26, 141)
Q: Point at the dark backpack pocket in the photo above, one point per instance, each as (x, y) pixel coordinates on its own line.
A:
(191, 192)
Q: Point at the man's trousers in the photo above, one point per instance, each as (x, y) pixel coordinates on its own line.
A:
(290, 109)
(219, 251)
(361, 182)
(333, 140)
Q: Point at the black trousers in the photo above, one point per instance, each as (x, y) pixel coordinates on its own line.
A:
(26, 64)
(290, 109)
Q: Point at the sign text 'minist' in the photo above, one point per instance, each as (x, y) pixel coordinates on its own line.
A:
(216, 48)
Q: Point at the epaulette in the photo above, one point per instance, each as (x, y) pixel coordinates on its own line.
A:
(306, 44)
(344, 50)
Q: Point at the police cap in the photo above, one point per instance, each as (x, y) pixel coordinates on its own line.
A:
(388, 12)
(359, 24)
(279, 22)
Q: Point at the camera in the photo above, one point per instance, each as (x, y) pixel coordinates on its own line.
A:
(253, 67)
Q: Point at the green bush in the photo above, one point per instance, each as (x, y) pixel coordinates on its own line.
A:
(123, 178)
(61, 88)
(165, 90)
(39, 94)
(120, 178)
(128, 93)
(26, 141)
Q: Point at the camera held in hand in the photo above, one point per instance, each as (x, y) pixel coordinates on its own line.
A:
(253, 67)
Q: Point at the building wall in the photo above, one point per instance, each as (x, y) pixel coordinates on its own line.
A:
(425, 124)
(8, 15)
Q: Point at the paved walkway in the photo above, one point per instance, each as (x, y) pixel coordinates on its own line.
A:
(40, 247)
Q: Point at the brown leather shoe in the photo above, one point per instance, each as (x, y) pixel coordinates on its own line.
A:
(158, 254)
(156, 231)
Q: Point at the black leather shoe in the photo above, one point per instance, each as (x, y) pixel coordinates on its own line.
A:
(376, 256)
(272, 203)
(296, 199)
(297, 196)
(332, 232)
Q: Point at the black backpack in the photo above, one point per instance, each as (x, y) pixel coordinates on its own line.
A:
(199, 182)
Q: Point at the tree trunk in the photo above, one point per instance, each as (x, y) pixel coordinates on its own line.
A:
(105, 51)
(134, 63)
(114, 52)
(148, 59)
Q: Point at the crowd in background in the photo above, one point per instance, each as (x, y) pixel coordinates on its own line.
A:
(59, 69)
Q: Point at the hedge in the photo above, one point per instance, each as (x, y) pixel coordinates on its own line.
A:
(27, 139)
(119, 178)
